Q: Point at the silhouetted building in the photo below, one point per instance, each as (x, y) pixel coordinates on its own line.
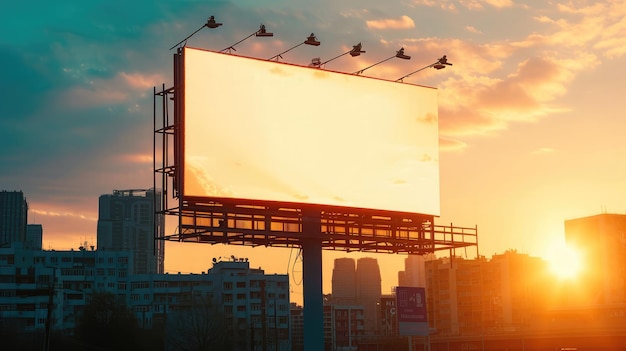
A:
(348, 327)
(344, 282)
(414, 273)
(127, 222)
(601, 241)
(13, 217)
(358, 285)
(34, 237)
(368, 291)
(472, 297)
(297, 327)
(388, 316)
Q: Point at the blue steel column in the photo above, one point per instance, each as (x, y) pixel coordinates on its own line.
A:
(312, 282)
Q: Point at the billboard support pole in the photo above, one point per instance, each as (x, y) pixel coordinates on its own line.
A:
(311, 244)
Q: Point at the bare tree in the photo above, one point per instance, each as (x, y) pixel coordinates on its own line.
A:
(107, 323)
(198, 326)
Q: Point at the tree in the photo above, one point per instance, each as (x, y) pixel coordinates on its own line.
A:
(198, 326)
(107, 323)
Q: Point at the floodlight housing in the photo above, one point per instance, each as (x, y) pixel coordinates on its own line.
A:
(211, 23)
(262, 32)
(311, 40)
(400, 54)
(356, 50)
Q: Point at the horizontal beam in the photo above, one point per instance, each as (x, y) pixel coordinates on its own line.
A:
(258, 223)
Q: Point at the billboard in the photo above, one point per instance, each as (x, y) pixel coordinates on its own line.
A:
(271, 131)
(411, 311)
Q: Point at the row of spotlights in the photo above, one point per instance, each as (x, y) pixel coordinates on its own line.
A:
(312, 40)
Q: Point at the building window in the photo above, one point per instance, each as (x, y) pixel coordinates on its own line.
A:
(228, 285)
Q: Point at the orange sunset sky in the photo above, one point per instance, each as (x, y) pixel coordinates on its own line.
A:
(531, 113)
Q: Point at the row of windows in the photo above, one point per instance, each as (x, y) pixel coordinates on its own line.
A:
(75, 259)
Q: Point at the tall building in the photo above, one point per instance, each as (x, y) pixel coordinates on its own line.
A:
(344, 282)
(358, 285)
(601, 240)
(127, 221)
(414, 273)
(13, 217)
(368, 291)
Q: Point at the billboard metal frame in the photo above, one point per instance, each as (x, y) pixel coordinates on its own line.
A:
(309, 227)
(269, 223)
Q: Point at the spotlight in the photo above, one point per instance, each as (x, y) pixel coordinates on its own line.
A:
(310, 40)
(210, 23)
(261, 32)
(356, 51)
(439, 64)
(399, 54)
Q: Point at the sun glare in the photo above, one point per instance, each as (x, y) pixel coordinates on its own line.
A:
(565, 262)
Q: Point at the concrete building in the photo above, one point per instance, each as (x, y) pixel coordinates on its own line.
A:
(477, 296)
(368, 291)
(254, 305)
(127, 222)
(414, 273)
(358, 285)
(34, 236)
(388, 317)
(344, 281)
(297, 327)
(601, 242)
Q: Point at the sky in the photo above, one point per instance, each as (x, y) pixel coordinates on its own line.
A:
(531, 113)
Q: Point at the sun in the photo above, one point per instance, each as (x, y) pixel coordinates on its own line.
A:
(565, 262)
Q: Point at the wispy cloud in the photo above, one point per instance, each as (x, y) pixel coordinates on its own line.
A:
(447, 144)
(472, 29)
(66, 214)
(121, 88)
(403, 22)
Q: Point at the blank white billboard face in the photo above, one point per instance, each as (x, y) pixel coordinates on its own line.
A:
(264, 130)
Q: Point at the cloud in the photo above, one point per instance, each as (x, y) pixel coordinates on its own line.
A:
(135, 158)
(500, 3)
(447, 144)
(472, 29)
(53, 213)
(444, 5)
(478, 105)
(403, 22)
(119, 89)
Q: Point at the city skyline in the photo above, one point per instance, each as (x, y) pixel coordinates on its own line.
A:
(530, 112)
